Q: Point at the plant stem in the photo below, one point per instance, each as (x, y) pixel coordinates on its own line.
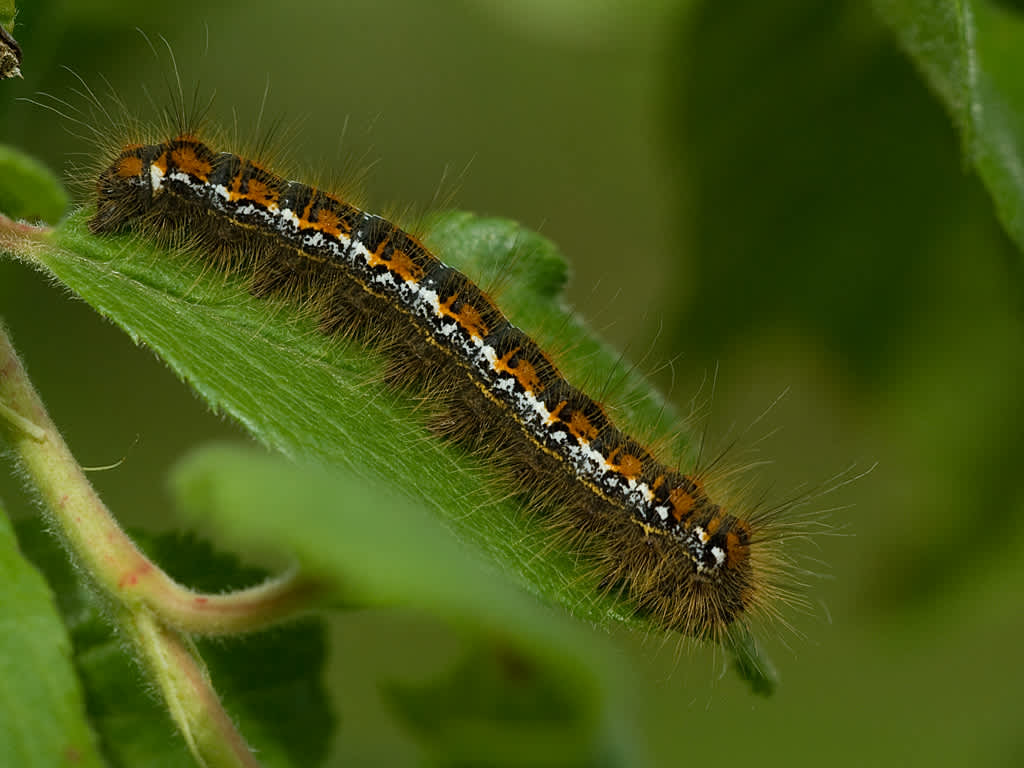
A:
(185, 684)
(151, 608)
(97, 542)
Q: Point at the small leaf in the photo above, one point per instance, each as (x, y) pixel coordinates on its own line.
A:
(28, 189)
(42, 710)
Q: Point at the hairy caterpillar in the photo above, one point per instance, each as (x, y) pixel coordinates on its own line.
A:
(650, 531)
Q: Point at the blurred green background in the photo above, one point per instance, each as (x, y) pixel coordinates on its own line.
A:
(765, 189)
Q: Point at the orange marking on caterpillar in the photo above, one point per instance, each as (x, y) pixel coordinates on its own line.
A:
(735, 551)
(187, 160)
(401, 263)
(468, 317)
(682, 503)
(627, 464)
(129, 166)
(581, 428)
(523, 371)
(260, 192)
(554, 414)
(326, 221)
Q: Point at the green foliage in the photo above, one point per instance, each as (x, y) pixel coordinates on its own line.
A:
(379, 548)
(865, 237)
(972, 53)
(367, 539)
(7, 14)
(497, 707)
(42, 711)
(29, 190)
(847, 180)
(270, 683)
(305, 395)
(822, 201)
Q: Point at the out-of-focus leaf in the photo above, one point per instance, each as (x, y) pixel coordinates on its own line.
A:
(43, 722)
(972, 53)
(827, 204)
(822, 182)
(28, 189)
(378, 548)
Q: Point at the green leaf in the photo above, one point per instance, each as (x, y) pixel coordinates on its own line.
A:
(821, 182)
(318, 398)
(28, 189)
(972, 54)
(497, 707)
(7, 14)
(824, 200)
(42, 709)
(270, 683)
(534, 688)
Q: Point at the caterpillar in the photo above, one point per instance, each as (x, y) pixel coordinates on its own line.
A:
(646, 529)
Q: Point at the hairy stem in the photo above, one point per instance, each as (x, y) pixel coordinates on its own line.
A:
(151, 608)
(186, 688)
(97, 542)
